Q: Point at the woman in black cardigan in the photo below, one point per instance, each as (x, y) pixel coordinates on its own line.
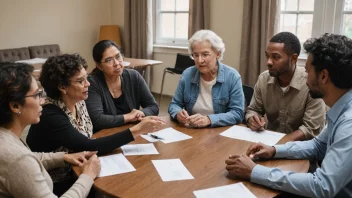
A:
(65, 124)
(116, 94)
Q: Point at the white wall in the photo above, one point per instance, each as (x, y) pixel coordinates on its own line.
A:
(73, 24)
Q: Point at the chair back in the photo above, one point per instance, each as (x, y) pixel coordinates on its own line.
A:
(183, 61)
(248, 93)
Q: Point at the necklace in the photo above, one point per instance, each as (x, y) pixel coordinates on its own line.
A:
(115, 87)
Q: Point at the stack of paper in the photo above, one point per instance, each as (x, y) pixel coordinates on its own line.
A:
(114, 164)
(139, 149)
(244, 133)
(169, 135)
(172, 170)
(233, 190)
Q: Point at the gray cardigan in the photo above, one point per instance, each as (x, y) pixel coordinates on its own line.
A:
(101, 107)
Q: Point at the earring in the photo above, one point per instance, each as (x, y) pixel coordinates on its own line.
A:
(19, 113)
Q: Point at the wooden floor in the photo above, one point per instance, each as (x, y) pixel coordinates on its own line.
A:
(164, 104)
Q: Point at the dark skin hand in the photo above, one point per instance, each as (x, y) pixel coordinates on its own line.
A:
(240, 166)
(260, 150)
(256, 123)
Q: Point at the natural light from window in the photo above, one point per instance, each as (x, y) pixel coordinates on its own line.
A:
(296, 16)
(172, 21)
(347, 18)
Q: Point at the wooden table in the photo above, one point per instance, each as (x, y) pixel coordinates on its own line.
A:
(204, 156)
(37, 70)
(135, 62)
(141, 64)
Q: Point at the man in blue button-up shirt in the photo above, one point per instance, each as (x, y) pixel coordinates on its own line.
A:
(329, 69)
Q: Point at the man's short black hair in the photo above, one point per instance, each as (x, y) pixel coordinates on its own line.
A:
(290, 41)
(333, 53)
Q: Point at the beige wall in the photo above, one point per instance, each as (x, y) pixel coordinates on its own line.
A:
(73, 24)
(226, 21)
(117, 10)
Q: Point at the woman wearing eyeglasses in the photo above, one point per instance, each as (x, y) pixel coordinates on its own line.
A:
(209, 94)
(116, 94)
(65, 124)
(22, 172)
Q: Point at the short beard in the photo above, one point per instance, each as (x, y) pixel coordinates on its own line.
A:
(315, 94)
(275, 74)
(278, 73)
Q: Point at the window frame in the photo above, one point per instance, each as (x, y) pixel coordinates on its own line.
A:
(327, 18)
(297, 13)
(158, 40)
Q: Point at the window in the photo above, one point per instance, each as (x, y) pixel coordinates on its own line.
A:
(296, 16)
(347, 19)
(171, 22)
(311, 18)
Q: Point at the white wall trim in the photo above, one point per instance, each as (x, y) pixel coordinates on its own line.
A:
(163, 49)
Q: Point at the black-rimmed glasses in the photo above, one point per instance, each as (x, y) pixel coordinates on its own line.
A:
(40, 94)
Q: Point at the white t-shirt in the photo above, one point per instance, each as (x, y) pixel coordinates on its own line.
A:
(204, 103)
(284, 89)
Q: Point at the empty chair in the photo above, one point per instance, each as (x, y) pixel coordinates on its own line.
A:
(183, 61)
(248, 94)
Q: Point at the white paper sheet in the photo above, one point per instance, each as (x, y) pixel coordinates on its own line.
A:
(172, 170)
(149, 138)
(126, 63)
(115, 164)
(139, 149)
(244, 133)
(171, 135)
(33, 61)
(233, 190)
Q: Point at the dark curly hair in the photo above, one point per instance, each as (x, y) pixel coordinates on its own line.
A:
(333, 53)
(290, 41)
(15, 82)
(58, 70)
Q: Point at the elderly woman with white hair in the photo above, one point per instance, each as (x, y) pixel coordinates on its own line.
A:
(209, 94)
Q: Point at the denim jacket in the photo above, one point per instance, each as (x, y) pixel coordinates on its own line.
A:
(227, 95)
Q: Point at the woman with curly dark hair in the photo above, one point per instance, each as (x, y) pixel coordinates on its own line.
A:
(22, 172)
(66, 125)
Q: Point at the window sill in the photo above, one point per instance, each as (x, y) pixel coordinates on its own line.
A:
(169, 49)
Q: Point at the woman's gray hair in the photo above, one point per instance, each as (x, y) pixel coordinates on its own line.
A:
(210, 36)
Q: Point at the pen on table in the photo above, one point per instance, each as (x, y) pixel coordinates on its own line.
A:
(156, 137)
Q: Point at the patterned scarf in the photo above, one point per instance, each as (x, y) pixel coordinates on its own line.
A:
(82, 123)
